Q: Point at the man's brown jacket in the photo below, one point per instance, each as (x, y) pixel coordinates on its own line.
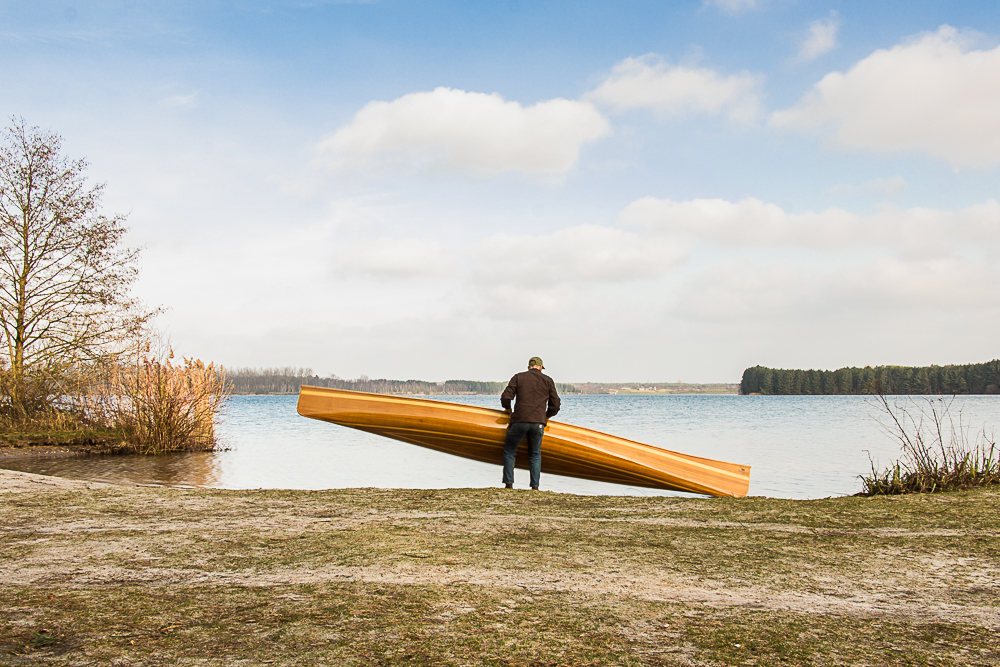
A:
(533, 390)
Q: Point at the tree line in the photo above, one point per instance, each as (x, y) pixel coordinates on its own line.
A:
(288, 380)
(953, 379)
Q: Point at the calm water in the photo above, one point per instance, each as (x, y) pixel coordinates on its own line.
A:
(799, 446)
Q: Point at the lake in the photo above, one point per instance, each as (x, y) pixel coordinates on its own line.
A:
(799, 446)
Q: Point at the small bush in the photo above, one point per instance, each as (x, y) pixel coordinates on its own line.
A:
(157, 406)
(36, 400)
(938, 452)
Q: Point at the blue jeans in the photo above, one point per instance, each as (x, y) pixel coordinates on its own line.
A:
(516, 432)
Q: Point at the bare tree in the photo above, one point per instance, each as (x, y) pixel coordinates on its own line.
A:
(65, 276)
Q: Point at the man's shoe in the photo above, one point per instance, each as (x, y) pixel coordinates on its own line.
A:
(534, 488)
(508, 486)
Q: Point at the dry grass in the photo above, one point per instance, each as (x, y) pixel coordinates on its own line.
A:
(490, 577)
(144, 404)
(154, 405)
(939, 453)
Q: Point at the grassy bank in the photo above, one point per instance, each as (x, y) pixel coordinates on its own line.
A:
(155, 576)
(24, 443)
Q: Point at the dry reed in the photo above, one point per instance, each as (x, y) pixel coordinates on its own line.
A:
(158, 406)
(938, 451)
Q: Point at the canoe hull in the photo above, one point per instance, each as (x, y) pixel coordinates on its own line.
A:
(478, 433)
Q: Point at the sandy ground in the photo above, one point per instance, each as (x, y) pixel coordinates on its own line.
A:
(71, 551)
(95, 574)
(14, 481)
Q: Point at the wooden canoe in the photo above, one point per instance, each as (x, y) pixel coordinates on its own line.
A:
(478, 433)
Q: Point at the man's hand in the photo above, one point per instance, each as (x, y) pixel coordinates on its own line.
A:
(507, 410)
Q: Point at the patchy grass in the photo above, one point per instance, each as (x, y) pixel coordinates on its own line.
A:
(85, 439)
(367, 624)
(490, 577)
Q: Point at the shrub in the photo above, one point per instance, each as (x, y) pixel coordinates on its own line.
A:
(938, 452)
(158, 406)
(36, 401)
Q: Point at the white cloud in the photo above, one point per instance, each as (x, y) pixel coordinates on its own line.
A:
(575, 254)
(752, 289)
(733, 258)
(734, 6)
(752, 223)
(513, 302)
(905, 282)
(930, 95)
(393, 258)
(822, 38)
(748, 263)
(648, 83)
(546, 272)
(740, 290)
(180, 101)
(882, 187)
(455, 129)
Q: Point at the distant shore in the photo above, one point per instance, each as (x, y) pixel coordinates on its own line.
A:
(420, 388)
(101, 574)
(287, 380)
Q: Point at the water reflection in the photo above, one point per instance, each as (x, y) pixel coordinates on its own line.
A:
(199, 469)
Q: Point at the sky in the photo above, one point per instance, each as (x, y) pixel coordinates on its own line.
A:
(632, 190)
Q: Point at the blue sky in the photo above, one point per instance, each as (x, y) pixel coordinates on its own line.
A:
(632, 190)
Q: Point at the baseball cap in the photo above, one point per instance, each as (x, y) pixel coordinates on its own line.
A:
(536, 361)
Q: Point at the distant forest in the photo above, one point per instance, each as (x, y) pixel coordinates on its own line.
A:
(958, 379)
(288, 380)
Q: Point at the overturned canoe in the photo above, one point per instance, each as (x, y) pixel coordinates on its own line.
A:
(478, 433)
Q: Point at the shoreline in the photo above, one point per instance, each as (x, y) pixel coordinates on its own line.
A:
(45, 446)
(488, 576)
(45, 452)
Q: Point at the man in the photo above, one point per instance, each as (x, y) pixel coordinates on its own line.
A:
(537, 400)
